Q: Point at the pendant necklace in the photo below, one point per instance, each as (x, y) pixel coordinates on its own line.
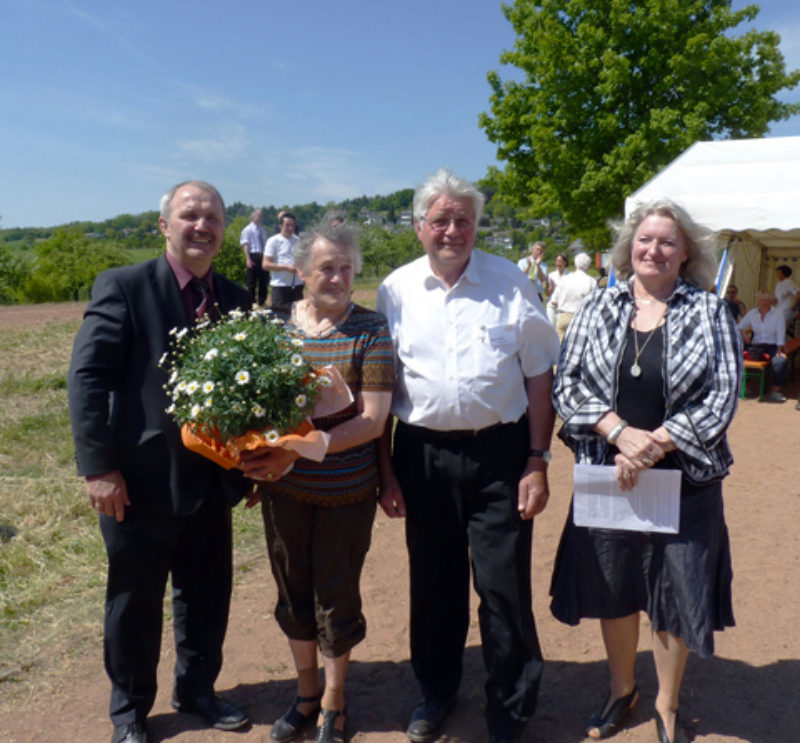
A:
(636, 370)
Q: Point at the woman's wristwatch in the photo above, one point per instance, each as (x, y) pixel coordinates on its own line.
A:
(540, 454)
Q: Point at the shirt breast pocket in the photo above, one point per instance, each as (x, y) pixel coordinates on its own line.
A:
(494, 345)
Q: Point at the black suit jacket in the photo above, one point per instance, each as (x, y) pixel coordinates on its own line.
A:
(116, 390)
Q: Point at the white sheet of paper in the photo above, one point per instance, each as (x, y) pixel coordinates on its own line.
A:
(653, 505)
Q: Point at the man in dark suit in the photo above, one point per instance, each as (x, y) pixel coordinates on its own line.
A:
(162, 509)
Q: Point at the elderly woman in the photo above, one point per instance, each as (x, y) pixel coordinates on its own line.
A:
(318, 516)
(648, 377)
(764, 332)
(570, 292)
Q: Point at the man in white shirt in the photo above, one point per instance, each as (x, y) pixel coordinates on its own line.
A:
(475, 353)
(570, 291)
(534, 265)
(252, 241)
(286, 284)
(767, 330)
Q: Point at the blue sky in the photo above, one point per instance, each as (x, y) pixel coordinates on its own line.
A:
(105, 105)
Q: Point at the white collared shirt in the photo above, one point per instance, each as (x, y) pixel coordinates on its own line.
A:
(254, 236)
(770, 329)
(463, 353)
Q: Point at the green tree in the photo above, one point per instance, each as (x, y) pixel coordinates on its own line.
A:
(67, 264)
(230, 259)
(13, 273)
(383, 250)
(615, 90)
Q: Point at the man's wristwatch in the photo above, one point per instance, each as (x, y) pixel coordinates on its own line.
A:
(540, 454)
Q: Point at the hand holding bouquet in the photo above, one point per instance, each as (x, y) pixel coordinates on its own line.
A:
(243, 383)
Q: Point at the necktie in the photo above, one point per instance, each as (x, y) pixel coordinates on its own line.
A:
(201, 299)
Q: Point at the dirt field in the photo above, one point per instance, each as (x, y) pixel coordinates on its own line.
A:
(748, 692)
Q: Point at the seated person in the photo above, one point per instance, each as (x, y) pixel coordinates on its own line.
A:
(734, 304)
(766, 327)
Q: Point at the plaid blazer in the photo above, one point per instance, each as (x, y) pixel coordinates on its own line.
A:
(702, 369)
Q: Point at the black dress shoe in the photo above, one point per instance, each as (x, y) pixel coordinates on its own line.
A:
(427, 720)
(130, 732)
(288, 727)
(216, 712)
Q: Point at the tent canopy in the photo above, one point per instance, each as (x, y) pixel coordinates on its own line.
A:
(747, 190)
(747, 186)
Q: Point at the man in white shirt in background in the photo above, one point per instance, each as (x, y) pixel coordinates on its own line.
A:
(534, 265)
(286, 284)
(570, 291)
(475, 353)
(253, 238)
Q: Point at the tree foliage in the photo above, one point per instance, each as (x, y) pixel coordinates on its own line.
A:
(66, 265)
(613, 90)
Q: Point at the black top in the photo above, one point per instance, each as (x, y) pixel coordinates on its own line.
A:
(641, 400)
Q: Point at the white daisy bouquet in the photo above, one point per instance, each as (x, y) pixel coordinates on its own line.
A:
(241, 383)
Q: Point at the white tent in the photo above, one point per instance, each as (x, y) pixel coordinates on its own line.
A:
(749, 191)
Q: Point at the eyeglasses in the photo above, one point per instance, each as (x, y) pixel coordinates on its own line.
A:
(440, 224)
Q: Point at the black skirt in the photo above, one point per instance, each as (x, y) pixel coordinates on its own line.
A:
(682, 581)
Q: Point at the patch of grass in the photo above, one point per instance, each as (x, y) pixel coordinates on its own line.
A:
(15, 385)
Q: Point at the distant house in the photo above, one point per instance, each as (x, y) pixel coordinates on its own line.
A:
(405, 219)
(500, 241)
(371, 218)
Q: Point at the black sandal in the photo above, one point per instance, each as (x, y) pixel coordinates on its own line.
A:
(328, 732)
(607, 721)
(661, 730)
(289, 726)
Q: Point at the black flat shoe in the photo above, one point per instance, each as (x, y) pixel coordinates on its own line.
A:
(607, 721)
(661, 730)
(289, 726)
(328, 732)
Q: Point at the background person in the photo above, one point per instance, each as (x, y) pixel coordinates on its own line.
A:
(572, 289)
(649, 376)
(561, 269)
(735, 305)
(786, 294)
(162, 509)
(253, 240)
(535, 267)
(764, 331)
(318, 517)
(474, 359)
(286, 284)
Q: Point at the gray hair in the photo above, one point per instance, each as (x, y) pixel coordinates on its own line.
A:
(700, 267)
(583, 261)
(445, 183)
(166, 199)
(342, 235)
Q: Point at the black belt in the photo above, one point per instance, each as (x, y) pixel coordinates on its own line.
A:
(459, 434)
